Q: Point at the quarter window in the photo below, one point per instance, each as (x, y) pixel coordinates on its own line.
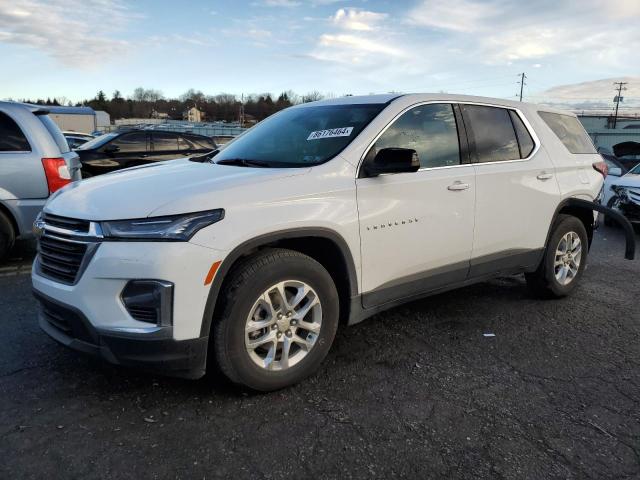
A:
(492, 133)
(11, 137)
(430, 130)
(570, 132)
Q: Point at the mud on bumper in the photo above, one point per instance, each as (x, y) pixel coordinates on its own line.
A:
(158, 352)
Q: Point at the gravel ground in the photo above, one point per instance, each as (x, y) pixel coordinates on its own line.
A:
(418, 392)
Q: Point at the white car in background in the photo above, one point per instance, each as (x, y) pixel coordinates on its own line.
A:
(622, 193)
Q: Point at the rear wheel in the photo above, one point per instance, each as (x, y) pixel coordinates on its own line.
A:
(564, 259)
(278, 320)
(7, 236)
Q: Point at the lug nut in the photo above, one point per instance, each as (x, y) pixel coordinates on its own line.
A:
(288, 314)
(294, 322)
(279, 334)
(279, 316)
(289, 333)
(274, 327)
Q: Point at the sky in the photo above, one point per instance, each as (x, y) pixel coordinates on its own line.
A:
(572, 51)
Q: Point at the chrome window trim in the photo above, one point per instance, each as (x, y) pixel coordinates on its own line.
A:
(525, 121)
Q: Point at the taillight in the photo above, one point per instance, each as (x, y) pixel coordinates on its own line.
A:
(602, 168)
(57, 173)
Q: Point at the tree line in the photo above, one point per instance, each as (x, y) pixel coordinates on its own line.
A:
(151, 103)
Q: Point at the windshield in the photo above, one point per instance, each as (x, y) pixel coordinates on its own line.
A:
(98, 141)
(299, 137)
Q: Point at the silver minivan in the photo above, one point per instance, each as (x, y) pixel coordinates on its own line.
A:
(35, 161)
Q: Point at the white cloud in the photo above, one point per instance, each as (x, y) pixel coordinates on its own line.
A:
(346, 46)
(78, 33)
(359, 20)
(281, 3)
(461, 15)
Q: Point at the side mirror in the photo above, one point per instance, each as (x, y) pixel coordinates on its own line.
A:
(392, 160)
(615, 172)
(111, 149)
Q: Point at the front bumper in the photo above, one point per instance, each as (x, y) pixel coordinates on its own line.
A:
(152, 350)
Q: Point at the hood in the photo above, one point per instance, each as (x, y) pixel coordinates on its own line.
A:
(628, 180)
(178, 186)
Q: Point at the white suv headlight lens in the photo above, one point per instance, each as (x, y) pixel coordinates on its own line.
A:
(169, 228)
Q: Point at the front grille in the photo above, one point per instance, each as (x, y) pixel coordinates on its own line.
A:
(72, 224)
(65, 247)
(60, 258)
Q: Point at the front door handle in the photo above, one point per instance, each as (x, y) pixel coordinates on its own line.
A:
(458, 186)
(545, 176)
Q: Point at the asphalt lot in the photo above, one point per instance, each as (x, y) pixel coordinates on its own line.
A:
(416, 392)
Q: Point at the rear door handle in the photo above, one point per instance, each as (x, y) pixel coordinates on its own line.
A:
(458, 186)
(545, 176)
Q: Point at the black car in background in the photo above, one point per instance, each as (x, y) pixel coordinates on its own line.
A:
(118, 150)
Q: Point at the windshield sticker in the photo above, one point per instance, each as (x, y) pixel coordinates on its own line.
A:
(331, 133)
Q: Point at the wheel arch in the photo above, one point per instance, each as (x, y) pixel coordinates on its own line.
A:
(12, 219)
(326, 246)
(583, 210)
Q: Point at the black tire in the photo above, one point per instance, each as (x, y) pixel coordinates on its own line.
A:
(247, 282)
(543, 282)
(7, 236)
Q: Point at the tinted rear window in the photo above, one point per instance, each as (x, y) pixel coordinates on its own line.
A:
(11, 137)
(55, 132)
(570, 132)
(524, 137)
(492, 133)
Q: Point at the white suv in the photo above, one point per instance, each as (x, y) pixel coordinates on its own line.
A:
(249, 257)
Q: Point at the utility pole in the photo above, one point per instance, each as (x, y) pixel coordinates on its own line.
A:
(522, 84)
(621, 87)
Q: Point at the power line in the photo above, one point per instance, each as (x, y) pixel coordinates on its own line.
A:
(621, 87)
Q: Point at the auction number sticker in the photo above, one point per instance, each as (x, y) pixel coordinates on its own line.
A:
(331, 133)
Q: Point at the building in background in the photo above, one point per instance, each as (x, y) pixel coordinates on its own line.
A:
(78, 119)
(622, 141)
(193, 115)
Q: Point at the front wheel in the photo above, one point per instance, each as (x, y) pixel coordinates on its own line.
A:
(278, 321)
(564, 260)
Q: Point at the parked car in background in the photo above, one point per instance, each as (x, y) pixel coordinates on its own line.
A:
(35, 161)
(622, 193)
(123, 149)
(75, 139)
(251, 256)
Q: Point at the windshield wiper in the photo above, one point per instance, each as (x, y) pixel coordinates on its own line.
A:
(244, 162)
(206, 157)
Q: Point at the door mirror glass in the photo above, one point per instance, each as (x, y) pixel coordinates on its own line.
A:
(615, 172)
(392, 160)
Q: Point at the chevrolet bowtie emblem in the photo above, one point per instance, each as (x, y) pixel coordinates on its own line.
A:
(38, 227)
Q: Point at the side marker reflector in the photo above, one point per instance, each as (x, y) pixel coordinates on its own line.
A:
(212, 272)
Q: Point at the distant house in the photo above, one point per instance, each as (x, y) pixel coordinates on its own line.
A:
(193, 115)
(160, 115)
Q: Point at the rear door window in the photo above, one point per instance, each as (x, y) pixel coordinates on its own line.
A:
(164, 142)
(570, 132)
(491, 134)
(131, 142)
(525, 142)
(11, 137)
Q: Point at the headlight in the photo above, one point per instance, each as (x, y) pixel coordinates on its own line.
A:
(169, 228)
